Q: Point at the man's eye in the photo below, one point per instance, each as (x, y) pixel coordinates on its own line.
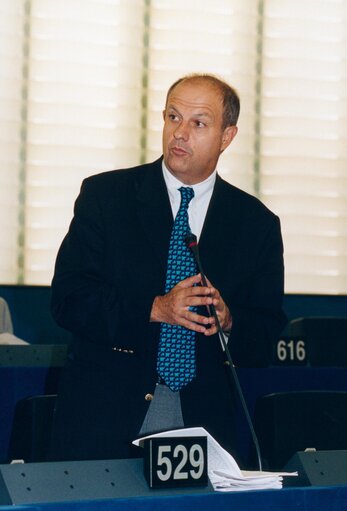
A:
(173, 117)
(199, 124)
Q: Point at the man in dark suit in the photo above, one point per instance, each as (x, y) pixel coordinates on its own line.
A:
(108, 287)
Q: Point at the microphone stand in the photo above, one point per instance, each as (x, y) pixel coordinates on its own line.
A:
(191, 242)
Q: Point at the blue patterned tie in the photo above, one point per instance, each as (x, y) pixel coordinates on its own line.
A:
(176, 353)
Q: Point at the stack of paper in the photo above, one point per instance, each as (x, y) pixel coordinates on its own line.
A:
(223, 471)
(8, 338)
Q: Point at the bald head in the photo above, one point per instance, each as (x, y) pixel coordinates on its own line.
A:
(229, 97)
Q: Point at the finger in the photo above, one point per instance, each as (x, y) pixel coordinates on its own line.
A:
(199, 291)
(214, 292)
(218, 301)
(189, 281)
(192, 296)
(208, 282)
(211, 331)
(194, 317)
(191, 325)
(198, 301)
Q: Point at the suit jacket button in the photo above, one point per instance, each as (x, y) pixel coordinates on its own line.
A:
(148, 397)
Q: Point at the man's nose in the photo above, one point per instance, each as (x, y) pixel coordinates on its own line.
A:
(181, 131)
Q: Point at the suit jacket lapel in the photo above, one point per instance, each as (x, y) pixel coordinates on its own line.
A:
(154, 210)
(219, 228)
(211, 230)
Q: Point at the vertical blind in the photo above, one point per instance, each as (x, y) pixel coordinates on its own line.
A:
(84, 110)
(303, 154)
(11, 197)
(82, 89)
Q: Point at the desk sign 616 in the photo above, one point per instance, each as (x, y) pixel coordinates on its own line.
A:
(290, 351)
(176, 462)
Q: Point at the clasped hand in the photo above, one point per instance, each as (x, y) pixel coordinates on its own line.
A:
(175, 307)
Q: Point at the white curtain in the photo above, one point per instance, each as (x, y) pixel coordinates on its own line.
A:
(303, 155)
(11, 196)
(84, 110)
(82, 88)
(218, 37)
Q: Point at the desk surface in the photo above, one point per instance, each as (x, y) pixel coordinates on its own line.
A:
(104, 485)
(306, 499)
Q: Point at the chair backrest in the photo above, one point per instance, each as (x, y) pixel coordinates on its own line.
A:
(288, 422)
(31, 430)
(5, 317)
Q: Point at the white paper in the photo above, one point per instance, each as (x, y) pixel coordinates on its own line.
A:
(223, 471)
(10, 339)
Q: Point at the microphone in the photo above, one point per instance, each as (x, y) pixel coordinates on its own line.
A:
(192, 244)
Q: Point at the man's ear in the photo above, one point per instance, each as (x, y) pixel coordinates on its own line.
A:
(228, 136)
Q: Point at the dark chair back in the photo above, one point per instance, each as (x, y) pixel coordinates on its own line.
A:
(31, 430)
(288, 422)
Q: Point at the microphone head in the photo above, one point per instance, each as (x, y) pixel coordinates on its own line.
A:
(191, 240)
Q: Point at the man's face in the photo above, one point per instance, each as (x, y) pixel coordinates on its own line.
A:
(193, 137)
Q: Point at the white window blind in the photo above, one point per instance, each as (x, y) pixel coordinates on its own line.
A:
(220, 37)
(82, 89)
(304, 138)
(84, 111)
(11, 198)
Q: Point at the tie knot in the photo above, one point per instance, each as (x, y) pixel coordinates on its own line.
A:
(187, 194)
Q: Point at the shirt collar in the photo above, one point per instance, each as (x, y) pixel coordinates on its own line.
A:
(173, 184)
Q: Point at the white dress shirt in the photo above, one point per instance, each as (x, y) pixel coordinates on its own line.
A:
(198, 205)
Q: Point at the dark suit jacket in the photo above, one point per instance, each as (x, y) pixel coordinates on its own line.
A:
(110, 267)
